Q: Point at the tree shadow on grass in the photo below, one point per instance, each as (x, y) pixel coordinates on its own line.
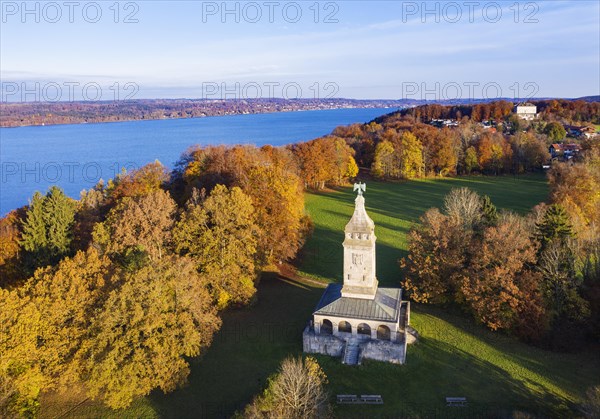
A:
(538, 369)
(249, 347)
(411, 199)
(323, 257)
(435, 370)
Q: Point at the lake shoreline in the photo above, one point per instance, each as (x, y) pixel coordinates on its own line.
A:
(197, 117)
(24, 114)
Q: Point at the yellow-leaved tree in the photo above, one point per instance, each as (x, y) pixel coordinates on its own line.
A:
(117, 334)
(220, 235)
(159, 315)
(411, 156)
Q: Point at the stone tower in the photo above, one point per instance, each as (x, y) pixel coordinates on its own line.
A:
(358, 320)
(360, 280)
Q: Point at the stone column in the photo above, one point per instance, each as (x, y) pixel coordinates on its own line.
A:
(373, 332)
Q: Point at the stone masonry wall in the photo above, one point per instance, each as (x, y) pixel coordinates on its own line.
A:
(379, 350)
(322, 344)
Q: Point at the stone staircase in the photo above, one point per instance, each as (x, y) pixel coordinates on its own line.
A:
(351, 352)
(403, 315)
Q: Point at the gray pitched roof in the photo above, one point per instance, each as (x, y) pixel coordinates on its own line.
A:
(385, 306)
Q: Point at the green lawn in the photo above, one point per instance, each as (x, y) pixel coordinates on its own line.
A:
(395, 207)
(454, 357)
(497, 374)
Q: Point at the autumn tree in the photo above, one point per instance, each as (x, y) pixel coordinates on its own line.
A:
(158, 316)
(495, 153)
(92, 208)
(119, 334)
(411, 156)
(205, 167)
(279, 204)
(386, 162)
(269, 176)
(362, 139)
(143, 222)
(439, 247)
(20, 381)
(490, 286)
(529, 152)
(11, 269)
(471, 160)
(315, 164)
(481, 260)
(296, 392)
(589, 265)
(139, 182)
(220, 235)
(346, 167)
(577, 188)
(436, 253)
(46, 323)
(443, 154)
(464, 207)
(555, 131)
(325, 160)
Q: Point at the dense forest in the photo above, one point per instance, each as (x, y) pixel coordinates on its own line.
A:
(113, 291)
(574, 111)
(410, 144)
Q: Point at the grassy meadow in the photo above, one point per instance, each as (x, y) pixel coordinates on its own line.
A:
(454, 357)
(395, 207)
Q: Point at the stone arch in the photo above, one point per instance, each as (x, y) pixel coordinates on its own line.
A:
(344, 326)
(363, 329)
(326, 327)
(383, 332)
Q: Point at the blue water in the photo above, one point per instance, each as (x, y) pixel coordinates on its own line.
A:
(76, 157)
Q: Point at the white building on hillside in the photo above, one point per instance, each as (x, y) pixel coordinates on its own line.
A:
(526, 111)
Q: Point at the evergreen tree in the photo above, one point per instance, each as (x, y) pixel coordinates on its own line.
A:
(560, 285)
(47, 229)
(59, 215)
(555, 225)
(489, 212)
(34, 236)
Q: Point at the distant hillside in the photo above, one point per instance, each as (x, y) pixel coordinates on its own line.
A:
(589, 98)
(17, 114)
(23, 114)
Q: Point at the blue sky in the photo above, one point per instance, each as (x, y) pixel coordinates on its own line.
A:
(389, 49)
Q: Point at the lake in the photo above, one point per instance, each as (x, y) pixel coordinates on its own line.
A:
(76, 157)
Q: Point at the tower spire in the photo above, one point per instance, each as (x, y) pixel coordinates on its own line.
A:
(360, 280)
